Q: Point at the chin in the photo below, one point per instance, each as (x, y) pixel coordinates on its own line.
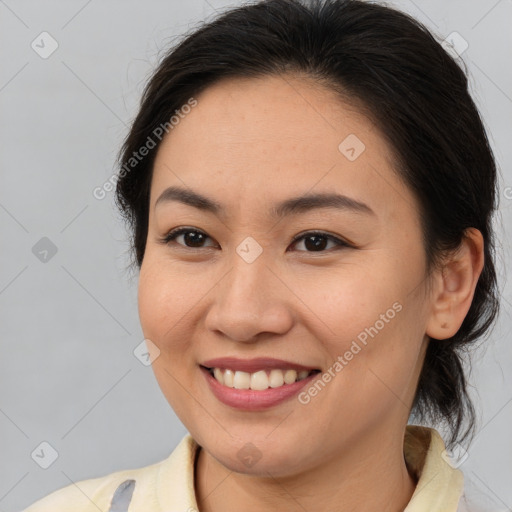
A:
(257, 456)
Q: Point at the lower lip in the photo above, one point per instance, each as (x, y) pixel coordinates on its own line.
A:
(253, 400)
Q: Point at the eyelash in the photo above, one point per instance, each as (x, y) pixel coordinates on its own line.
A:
(173, 234)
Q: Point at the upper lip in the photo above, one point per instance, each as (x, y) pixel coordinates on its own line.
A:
(254, 365)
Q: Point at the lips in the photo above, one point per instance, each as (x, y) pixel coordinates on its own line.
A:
(254, 365)
(228, 377)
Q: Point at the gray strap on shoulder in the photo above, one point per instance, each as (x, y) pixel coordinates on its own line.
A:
(122, 497)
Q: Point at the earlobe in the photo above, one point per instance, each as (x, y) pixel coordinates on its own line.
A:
(455, 286)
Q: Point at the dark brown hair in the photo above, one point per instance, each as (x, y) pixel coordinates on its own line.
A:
(408, 85)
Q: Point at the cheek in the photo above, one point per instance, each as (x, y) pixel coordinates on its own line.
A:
(348, 301)
(167, 295)
(165, 299)
(379, 374)
(372, 331)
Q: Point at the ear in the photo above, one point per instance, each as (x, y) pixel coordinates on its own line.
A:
(455, 285)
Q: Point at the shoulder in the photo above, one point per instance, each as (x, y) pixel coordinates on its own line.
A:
(439, 483)
(93, 494)
(110, 492)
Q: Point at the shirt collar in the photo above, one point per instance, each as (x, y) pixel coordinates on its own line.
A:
(439, 486)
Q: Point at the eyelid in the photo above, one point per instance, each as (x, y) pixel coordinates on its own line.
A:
(341, 242)
(174, 233)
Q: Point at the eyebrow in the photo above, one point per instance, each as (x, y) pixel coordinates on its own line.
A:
(291, 206)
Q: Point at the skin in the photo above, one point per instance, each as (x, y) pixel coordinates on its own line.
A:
(248, 145)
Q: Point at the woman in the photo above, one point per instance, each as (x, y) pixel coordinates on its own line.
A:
(310, 191)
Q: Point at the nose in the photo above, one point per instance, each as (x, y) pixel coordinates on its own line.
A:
(250, 300)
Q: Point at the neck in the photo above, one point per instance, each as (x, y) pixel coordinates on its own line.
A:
(361, 478)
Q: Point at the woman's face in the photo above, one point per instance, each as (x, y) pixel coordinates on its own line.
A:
(249, 280)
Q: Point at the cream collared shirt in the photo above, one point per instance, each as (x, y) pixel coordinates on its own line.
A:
(168, 486)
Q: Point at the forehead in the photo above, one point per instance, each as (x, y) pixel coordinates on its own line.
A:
(276, 136)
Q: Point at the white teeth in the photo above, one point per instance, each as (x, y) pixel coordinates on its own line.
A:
(228, 378)
(276, 378)
(217, 372)
(242, 380)
(290, 376)
(259, 380)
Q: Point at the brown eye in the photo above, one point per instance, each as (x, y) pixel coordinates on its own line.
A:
(318, 242)
(187, 237)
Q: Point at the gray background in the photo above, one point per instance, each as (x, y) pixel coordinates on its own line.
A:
(69, 326)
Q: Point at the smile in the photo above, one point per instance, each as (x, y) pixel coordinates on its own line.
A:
(255, 384)
(260, 380)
